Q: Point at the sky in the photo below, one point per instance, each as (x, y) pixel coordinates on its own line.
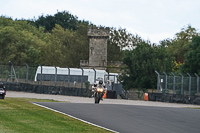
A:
(153, 20)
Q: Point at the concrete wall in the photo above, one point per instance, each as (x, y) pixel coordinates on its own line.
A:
(48, 89)
(174, 98)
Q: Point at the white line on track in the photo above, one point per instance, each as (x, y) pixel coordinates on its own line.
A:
(76, 118)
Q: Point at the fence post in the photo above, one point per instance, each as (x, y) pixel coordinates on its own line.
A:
(181, 83)
(189, 83)
(55, 75)
(165, 82)
(197, 84)
(41, 77)
(68, 75)
(158, 81)
(27, 72)
(173, 82)
(107, 70)
(94, 75)
(82, 78)
(11, 71)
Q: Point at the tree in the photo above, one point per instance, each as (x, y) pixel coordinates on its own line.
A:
(192, 57)
(66, 47)
(166, 42)
(141, 64)
(120, 40)
(20, 42)
(64, 19)
(179, 45)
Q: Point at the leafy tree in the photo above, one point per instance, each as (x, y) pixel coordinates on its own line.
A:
(64, 19)
(20, 42)
(179, 45)
(120, 40)
(124, 39)
(66, 47)
(141, 64)
(54, 51)
(192, 57)
(166, 42)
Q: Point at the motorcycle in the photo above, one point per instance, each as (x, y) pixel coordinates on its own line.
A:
(2, 91)
(98, 94)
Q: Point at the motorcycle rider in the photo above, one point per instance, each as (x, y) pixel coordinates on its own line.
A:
(99, 83)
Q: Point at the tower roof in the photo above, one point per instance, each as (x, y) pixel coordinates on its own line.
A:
(94, 31)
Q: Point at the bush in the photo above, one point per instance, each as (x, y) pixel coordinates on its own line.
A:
(87, 84)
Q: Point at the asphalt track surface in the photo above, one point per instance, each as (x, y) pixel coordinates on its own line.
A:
(133, 118)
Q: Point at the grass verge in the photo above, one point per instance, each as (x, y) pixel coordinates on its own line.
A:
(192, 107)
(19, 115)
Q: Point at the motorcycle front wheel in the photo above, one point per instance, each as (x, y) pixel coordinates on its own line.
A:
(97, 99)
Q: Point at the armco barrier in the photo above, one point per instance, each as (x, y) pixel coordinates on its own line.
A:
(174, 98)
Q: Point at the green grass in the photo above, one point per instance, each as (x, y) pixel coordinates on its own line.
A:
(19, 115)
(193, 107)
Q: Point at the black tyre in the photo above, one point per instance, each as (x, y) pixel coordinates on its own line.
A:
(97, 98)
(96, 101)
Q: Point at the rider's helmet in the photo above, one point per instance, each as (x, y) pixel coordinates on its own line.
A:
(95, 85)
(100, 82)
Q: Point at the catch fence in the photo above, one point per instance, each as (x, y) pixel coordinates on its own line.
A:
(55, 80)
(29, 75)
(182, 84)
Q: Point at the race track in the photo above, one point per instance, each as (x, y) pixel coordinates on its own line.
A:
(133, 118)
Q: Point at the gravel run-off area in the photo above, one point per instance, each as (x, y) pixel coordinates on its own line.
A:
(73, 99)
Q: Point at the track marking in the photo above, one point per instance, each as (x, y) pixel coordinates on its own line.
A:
(76, 118)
